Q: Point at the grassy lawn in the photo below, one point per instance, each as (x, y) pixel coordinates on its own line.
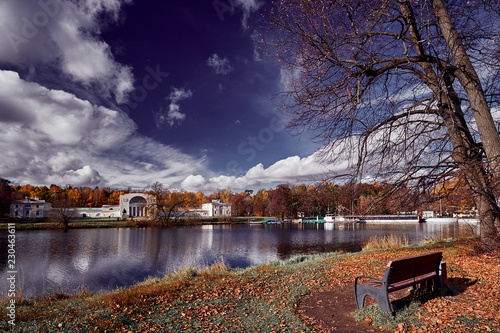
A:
(264, 298)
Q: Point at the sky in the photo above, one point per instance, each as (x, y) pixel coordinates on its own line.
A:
(126, 93)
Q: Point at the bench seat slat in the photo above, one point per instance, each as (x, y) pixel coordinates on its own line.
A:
(410, 282)
(403, 283)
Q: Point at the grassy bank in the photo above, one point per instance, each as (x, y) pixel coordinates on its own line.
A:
(264, 298)
(111, 223)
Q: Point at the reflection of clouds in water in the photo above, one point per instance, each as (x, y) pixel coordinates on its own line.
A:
(82, 263)
(57, 273)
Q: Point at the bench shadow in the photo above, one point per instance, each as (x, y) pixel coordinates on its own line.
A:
(453, 287)
(456, 286)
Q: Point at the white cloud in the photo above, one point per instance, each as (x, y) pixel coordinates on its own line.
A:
(83, 176)
(291, 170)
(220, 65)
(65, 34)
(173, 114)
(248, 7)
(58, 138)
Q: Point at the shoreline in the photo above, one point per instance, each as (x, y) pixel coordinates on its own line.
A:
(109, 223)
(137, 223)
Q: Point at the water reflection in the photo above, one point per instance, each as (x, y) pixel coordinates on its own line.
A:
(103, 259)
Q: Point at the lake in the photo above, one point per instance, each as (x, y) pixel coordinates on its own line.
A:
(103, 259)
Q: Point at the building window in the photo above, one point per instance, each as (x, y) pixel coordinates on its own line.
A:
(17, 213)
(37, 213)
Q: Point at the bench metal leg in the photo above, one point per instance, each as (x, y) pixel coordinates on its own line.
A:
(443, 275)
(378, 294)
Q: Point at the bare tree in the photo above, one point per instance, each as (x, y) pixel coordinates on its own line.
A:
(62, 210)
(393, 87)
(163, 204)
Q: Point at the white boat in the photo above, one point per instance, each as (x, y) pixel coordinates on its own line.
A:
(441, 219)
(332, 218)
(400, 218)
(329, 218)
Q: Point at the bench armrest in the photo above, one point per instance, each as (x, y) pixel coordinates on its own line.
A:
(366, 277)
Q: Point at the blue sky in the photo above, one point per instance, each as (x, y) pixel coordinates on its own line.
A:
(126, 93)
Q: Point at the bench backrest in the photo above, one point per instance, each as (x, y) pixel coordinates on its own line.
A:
(408, 268)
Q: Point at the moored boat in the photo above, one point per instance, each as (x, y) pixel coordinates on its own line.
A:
(399, 218)
(442, 219)
(336, 218)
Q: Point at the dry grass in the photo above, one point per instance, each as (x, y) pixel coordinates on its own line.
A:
(386, 242)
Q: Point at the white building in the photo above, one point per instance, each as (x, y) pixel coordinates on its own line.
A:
(104, 211)
(216, 208)
(427, 214)
(30, 208)
(131, 205)
(134, 204)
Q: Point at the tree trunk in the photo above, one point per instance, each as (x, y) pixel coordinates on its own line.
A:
(466, 152)
(470, 81)
(488, 209)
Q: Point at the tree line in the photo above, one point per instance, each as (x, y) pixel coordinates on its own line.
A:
(283, 201)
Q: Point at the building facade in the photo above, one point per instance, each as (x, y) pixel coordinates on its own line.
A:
(217, 208)
(131, 205)
(104, 211)
(134, 204)
(30, 208)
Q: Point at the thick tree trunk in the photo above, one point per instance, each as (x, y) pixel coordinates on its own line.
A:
(471, 83)
(466, 152)
(468, 157)
(488, 209)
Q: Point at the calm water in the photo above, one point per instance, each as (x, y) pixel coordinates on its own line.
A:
(103, 259)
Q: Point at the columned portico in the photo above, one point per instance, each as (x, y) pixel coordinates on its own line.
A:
(134, 204)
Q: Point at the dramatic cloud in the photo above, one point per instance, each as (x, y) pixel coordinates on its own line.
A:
(220, 65)
(291, 170)
(51, 136)
(65, 35)
(173, 114)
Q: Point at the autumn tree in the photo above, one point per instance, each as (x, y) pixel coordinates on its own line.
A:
(163, 204)
(23, 191)
(303, 200)
(238, 204)
(281, 202)
(392, 87)
(114, 197)
(451, 195)
(260, 203)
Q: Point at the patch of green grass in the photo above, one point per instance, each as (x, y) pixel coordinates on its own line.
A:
(406, 315)
(407, 311)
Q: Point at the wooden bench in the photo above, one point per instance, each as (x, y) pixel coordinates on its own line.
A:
(400, 274)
